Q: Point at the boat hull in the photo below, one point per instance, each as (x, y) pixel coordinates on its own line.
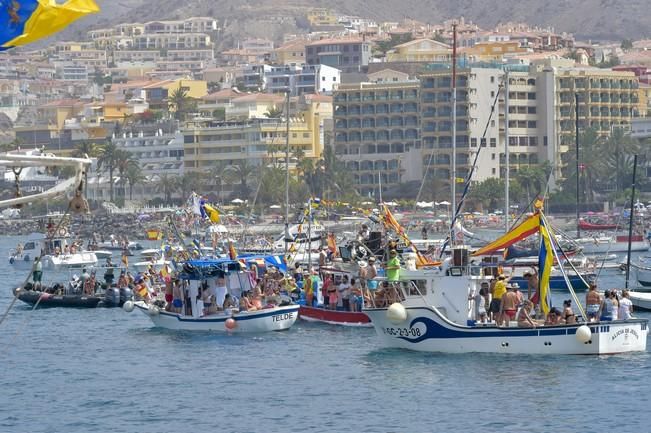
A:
(643, 275)
(333, 317)
(272, 319)
(427, 331)
(599, 246)
(641, 300)
(69, 261)
(31, 297)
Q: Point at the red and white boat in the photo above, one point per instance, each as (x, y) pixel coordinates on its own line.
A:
(334, 317)
(593, 226)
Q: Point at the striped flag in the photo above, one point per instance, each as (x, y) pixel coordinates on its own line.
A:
(545, 262)
(525, 229)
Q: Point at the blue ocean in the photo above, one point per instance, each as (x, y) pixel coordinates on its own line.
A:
(105, 370)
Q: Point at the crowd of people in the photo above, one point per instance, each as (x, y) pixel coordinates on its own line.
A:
(502, 302)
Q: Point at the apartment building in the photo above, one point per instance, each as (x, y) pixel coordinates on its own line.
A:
(376, 126)
(172, 41)
(347, 55)
(299, 80)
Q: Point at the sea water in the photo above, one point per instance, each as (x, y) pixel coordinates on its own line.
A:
(103, 370)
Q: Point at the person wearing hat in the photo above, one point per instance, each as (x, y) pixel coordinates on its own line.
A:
(508, 305)
(393, 266)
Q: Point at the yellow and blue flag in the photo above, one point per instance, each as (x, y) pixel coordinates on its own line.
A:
(545, 262)
(213, 214)
(26, 21)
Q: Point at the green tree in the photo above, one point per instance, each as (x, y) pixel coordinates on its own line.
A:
(167, 185)
(618, 158)
(533, 179)
(245, 173)
(626, 45)
(180, 103)
(134, 176)
(191, 181)
(107, 160)
(125, 161)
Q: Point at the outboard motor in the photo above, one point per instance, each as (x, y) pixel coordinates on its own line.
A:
(112, 297)
(126, 294)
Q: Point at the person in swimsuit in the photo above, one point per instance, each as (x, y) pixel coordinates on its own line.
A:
(524, 316)
(568, 314)
(508, 305)
(554, 317)
(592, 303)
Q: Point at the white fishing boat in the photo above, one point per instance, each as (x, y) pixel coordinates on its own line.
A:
(430, 310)
(433, 314)
(193, 315)
(602, 244)
(642, 273)
(56, 254)
(640, 300)
(271, 319)
(155, 262)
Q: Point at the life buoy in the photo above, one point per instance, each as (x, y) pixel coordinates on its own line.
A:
(63, 231)
(360, 252)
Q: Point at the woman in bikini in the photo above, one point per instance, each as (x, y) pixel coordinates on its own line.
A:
(524, 317)
(568, 314)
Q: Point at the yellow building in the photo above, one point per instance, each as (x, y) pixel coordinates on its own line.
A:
(322, 17)
(56, 112)
(492, 51)
(420, 50)
(291, 53)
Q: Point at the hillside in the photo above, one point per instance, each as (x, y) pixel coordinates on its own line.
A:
(587, 19)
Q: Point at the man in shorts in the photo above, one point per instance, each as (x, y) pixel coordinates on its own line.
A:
(499, 289)
(592, 303)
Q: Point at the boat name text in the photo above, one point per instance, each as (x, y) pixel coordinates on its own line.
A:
(402, 332)
(624, 331)
(281, 317)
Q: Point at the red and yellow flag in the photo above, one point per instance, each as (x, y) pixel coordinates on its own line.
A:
(525, 229)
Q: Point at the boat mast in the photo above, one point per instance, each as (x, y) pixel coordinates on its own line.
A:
(379, 182)
(630, 223)
(576, 140)
(309, 236)
(506, 151)
(287, 175)
(454, 131)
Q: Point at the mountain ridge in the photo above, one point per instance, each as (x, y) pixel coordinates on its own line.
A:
(587, 19)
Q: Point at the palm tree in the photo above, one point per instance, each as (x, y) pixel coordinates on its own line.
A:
(125, 160)
(191, 181)
(134, 175)
(166, 185)
(245, 173)
(180, 103)
(533, 179)
(107, 160)
(618, 158)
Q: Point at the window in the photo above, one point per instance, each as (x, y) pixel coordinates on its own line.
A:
(492, 93)
(483, 142)
(473, 142)
(531, 95)
(493, 171)
(545, 140)
(531, 110)
(493, 156)
(492, 79)
(323, 78)
(533, 141)
(493, 142)
(531, 124)
(334, 79)
(294, 135)
(493, 122)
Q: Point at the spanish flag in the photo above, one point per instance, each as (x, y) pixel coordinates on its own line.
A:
(213, 214)
(26, 21)
(545, 261)
(390, 221)
(525, 229)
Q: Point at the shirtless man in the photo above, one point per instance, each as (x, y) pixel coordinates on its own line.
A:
(592, 303)
(509, 305)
